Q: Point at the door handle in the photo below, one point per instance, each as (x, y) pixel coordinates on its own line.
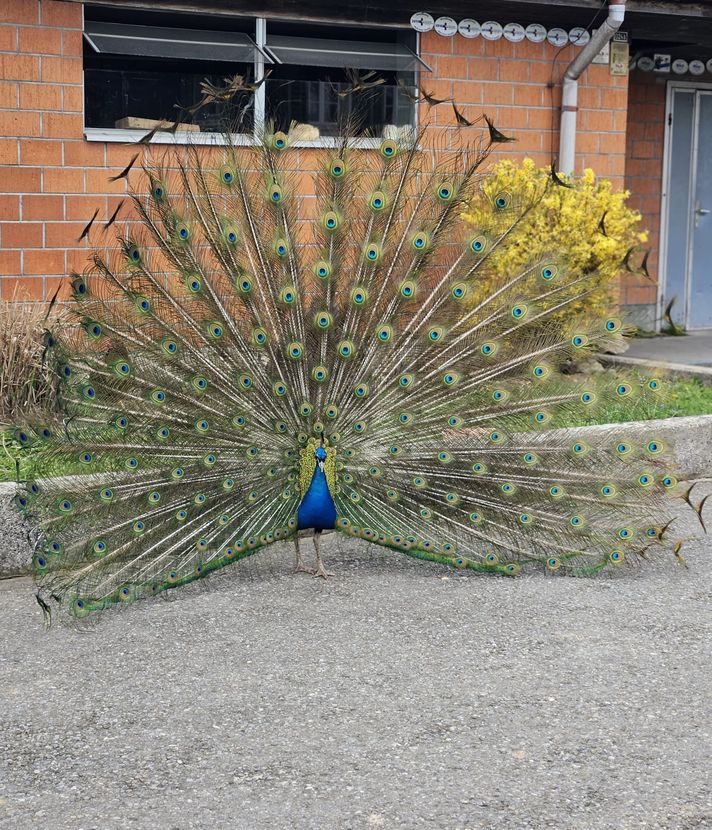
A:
(699, 211)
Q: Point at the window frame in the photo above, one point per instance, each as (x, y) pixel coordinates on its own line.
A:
(122, 136)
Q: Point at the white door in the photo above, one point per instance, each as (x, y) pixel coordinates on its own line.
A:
(687, 218)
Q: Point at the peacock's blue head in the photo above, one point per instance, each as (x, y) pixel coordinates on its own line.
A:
(320, 455)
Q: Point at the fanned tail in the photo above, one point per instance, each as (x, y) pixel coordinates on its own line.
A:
(245, 317)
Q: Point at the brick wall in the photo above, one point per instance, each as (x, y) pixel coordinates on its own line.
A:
(52, 180)
(643, 176)
(519, 86)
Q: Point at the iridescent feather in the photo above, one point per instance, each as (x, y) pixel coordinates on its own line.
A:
(243, 329)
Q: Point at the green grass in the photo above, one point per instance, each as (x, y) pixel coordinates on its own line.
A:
(687, 397)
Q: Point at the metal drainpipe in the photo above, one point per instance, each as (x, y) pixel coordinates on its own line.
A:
(569, 92)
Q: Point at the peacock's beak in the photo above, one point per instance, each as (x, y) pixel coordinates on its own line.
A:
(320, 464)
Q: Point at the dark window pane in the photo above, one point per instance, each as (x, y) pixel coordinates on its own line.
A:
(115, 93)
(310, 95)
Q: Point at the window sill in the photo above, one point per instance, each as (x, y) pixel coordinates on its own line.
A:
(118, 136)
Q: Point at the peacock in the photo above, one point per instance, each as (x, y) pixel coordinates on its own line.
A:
(258, 358)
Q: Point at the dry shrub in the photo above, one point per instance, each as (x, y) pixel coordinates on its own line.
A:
(28, 386)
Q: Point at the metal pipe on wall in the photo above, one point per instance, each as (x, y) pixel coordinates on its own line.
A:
(569, 90)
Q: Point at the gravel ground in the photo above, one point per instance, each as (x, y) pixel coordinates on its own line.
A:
(396, 695)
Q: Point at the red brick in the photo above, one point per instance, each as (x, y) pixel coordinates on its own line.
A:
(21, 123)
(620, 121)
(10, 263)
(63, 70)
(24, 288)
(64, 234)
(616, 99)
(19, 68)
(72, 99)
(647, 185)
(9, 95)
(509, 118)
(22, 235)
(84, 153)
(8, 151)
(540, 118)
(119, 155)
(63, 180)
(616, 164)
(648, 205)
(42, 207)
(654, 131)
(51, 284)
(530, 95)
(41, 153)
(9, 207)
(127, 209)
(97, 181)
(20, 180)
(77, 259)
(61, 14)
(464, 93)
(495, 93)
(40, 97)
(482, 69)
(635, 167)
(542, 72)
(442, 90)
(433, 43)
(517, 71)
(635, 294)
(8, 38)
(61, 125)
(467, 48)
(450, 67)
(587, 143)
(19, 11)
(43, 261)
(83, 207)
(72, 42)
(600, 121)
(41, 41)
(534, 52)
(498, 49)
(644, 149)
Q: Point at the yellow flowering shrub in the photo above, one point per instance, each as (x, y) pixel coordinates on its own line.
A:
(564, 226)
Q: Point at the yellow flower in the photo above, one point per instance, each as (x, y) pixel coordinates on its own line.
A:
(587, 228)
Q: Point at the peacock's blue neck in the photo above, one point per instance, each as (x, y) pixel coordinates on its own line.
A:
(317, 509)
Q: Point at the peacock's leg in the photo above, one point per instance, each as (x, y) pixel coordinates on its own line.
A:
(320, 570)
(299, 566)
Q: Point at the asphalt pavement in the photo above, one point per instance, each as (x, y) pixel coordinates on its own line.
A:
(398, 694)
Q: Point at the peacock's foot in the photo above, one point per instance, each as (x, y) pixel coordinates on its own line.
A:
(321, 571)
(302, 569)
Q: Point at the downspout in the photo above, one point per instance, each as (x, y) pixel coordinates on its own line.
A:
(569, 92)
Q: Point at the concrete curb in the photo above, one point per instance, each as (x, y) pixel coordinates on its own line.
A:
(686, 370)
(690, 438)
(15, 551)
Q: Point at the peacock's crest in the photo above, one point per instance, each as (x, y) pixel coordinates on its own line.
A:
(307, 462)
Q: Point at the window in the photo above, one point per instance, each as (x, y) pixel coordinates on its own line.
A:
(142, 68)
(322, 75)
(137, 74)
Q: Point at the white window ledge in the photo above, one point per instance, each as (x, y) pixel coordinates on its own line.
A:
(118, 136)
